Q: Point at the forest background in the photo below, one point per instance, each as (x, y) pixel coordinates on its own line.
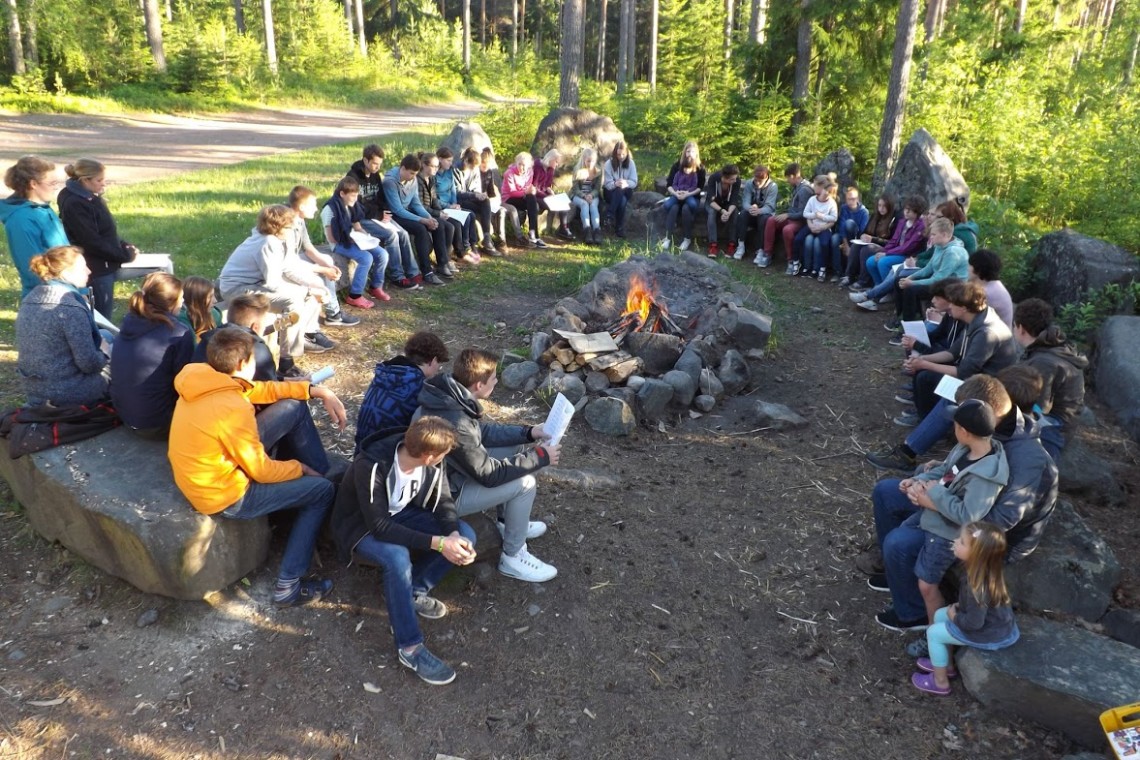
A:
(1035, 100)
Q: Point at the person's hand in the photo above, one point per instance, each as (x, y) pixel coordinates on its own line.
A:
(754, 210)
(879, 255)
(309, 471)
(905, 283)
(928, 466)
(724, 215)
(538, 433)
(589, 198)
(866, 238)
(480, 196)
(458, 550)
(905, 484)
(332, 273)
(780, 218)
(454, 205)
(621, 183)
(934, 315)
(530, 190)
(554, 452)
(430, 223)
(332, 404)
(387, 216)
(909, 263)
(952, 611)
(908, 342)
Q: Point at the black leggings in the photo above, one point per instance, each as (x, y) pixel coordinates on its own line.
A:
(529, 204)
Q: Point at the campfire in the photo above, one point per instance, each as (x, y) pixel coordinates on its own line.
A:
(643, 312)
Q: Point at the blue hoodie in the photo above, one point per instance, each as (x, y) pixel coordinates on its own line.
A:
(445, 187)
(860, 216)
(32, 229)
(391, 398)
(403, 197)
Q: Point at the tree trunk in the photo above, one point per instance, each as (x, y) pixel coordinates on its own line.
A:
(1019, 24)
(573, 49)
(935, 13)
(169, 13)
(522, 22)
(153, 20)
(631, 46)
(467, 38)
(270, 36)
(803, 63)
(727, 29)
(31, 47)
(239, 18)
(654, 23)
(361, 41)
(758, 21)
(15, 40)
(897, 88)
(483, 24)
(514, 29)
(1130, 66)
(623, 47)
(602, 41)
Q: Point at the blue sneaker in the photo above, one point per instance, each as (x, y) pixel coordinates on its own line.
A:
(427, 666)
(305, 592)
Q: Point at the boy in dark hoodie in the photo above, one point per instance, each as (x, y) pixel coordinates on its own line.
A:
(394, 393)
(1061, 368)
(402, 269)
(492, 465)
(250, 313)
(395, 509)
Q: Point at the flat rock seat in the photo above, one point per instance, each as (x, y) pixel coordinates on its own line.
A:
(112, 500)
(1058, 675)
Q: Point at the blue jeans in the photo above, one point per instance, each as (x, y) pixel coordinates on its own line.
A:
(103, 293)
(287, 431)
(817, 248)
(588, 212)
(881, 268)
(370, 266)
(686, 208)
(617, 200)
(888, 283)
(396, 242)
(901, 540)
(405, 577)
(311, 497)
(934, 427)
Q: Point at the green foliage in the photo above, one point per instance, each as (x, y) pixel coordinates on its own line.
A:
(1081, 320)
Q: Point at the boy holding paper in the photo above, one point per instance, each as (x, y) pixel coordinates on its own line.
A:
(342, 219)
(492, 464)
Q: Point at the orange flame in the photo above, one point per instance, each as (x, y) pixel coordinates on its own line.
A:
(640, 297)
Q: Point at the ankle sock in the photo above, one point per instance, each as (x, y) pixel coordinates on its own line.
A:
(285, 589)
(908, 451)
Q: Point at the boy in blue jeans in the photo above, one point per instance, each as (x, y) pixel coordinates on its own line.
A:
(395, 510)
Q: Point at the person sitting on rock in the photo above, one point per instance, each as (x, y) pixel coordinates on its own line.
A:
(813, 241)
(619, 180)
(722, 201)
(62, 355)
(586, 196)
(427, 184)
(199, 310)
(341, 216)
(492, 181)
(683, 186)
(879, 230)
(303, 201)
(936, 502)
(395, 509)
(261, 264)
(519, 191)
(218, 452)
(853, 219)
(472, 197)
(402, 196)
(545, 172)
(250, 313)
(789, 223)
(393, 395)
(908, 240)
(985, 268)
(151, 349)
(31, 226)
(446, 187)
(757, 205)
(403, 271)
(492, 465)
(948, 259)
(1062, 370)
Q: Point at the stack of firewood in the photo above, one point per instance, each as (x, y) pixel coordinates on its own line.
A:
(616, 365)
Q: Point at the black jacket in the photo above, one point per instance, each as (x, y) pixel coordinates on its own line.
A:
(443, 397)
(1063, 369)
(1026, 503)
(371, 190)
(89, 225)
(265, 368)
(361, 505)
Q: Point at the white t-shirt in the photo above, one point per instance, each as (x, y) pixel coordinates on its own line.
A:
(326, 216)
(407, 485)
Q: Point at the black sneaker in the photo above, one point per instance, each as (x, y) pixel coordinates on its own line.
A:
(565, 233)
(405, 284)
(893, 325)
(905, 397)
(896, 340)
(317, 343)
(431, 278)
(444, 273)
(878, 582)
(305, 592)
(538, 243)
(340, 319)
(890, 620)
(893, 458)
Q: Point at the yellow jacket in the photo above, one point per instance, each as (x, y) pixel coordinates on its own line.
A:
(214, 448)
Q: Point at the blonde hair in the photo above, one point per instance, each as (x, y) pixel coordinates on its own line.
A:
(943, 225)
(552, 154)
(696, 153)
(524, 158)
(24, 172)
(273, 219)
(53, 262)
(580, 169)
(429, 436)
(84, 168)
(985, 563)
(156, 299)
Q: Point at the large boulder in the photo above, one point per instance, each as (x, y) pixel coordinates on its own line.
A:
(1084, 473)
(734, 372)
(1060, 676)
(840, 163)
(516, 375)
(569, 130)
(653, 397)
(924, 169)
(1117, 370)
(611, 416)
(748, 329)
(657, 351)
(1072, 570)
(1067, 265)
(641, 217)
(468, 134)
(112, 501)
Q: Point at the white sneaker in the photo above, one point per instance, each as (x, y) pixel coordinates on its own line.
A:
(763, 259)
(790, 270)
(739, 254)
(868, 305)
(796, 269)
(664, 244)
(526, 567)
(684, 246)
(857, 296)
(534, 528)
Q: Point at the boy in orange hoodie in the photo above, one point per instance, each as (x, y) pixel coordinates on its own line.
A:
(218, 452)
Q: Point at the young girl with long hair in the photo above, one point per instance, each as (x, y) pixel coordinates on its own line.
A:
(585, 196)
(981, 618)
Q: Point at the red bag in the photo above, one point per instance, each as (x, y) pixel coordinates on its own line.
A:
(36, 428)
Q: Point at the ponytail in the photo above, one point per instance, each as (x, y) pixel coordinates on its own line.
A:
(156, 300)
(53, 262)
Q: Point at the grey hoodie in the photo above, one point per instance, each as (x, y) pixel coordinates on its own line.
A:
(1063, 370)
(968, 497)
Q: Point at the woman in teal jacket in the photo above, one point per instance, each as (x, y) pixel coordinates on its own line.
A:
(27, 216)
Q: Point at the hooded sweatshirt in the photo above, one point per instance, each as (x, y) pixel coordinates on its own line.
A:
(89, 225)
(365, 493)
(967, 234)
(987, 346)
(950, 260)
(147, 357)
(263, 261)
(32, 228)
(371, 190)
(1063, 395)
(968, 496)
(59, 357)
(443, 396)
(403, 198)
(391, 398)
(1025, 504)
(215, 451)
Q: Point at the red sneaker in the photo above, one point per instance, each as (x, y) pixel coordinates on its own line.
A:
(359, 302)
(379, 294)
(714, 250)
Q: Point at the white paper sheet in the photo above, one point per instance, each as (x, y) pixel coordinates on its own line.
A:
(365, 241)
(947, 387)
(916, 330)
(561, 412)
(558, 202)
(457, 214)
(496, 203)
(859, 242)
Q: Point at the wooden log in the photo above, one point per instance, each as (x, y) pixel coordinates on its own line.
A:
(564, 356)
(556, 366)
(619, 373)
(605, 361)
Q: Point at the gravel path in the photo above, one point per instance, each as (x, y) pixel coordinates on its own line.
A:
(145, 147)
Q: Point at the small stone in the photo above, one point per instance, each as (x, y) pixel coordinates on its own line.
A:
(539, 342)
(817, 310)
(569, 386)
(533, 610)
(509, 359)
(596, 382)
(710, 384)
(704, 403)
(734, 372)
(635, 382)
(747, 328)
(774, 416)
(684, 387)
(16, 655)
(653, 397)
(691, 364)
(150, 617)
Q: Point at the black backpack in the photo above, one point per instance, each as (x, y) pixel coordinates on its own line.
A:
(35, 428)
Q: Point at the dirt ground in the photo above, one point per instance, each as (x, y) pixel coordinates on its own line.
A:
(708, 606)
